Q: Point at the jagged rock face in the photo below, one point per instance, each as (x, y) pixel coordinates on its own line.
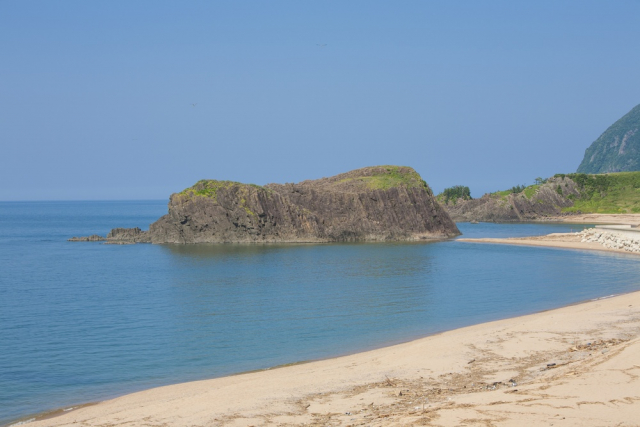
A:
(369, 204)
(549, 200)
(128, 235)
(617, 149)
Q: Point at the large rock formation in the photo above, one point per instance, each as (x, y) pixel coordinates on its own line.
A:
(617, 149)
(547, 200)
(370, 204)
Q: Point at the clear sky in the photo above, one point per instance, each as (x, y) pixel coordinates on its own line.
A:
(139, 99)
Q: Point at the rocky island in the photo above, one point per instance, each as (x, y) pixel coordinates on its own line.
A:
(378, 203)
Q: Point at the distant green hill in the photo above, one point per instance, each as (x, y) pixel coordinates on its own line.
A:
(617, 149)
(610, 193)
(561, 194)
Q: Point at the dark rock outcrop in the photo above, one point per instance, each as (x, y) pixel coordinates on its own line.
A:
(128, 235)
(92, 238)
(370, 204)
(118, 236)
(548, 200)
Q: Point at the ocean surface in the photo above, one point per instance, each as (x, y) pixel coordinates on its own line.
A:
(83, 321)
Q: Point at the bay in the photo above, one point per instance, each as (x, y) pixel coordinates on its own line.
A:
(84, 321)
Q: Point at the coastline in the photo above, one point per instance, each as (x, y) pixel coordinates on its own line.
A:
(454, 377)
(633, 219)
(554, 240)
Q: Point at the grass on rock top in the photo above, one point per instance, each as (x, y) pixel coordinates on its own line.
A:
(209, 187)
(528, 192)
(390, 177)
(381, 178)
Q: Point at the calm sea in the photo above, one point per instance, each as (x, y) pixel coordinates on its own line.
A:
(87, 321)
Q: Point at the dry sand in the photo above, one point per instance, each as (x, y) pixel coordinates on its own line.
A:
(574, 366)
(633, 219)
(554, 240)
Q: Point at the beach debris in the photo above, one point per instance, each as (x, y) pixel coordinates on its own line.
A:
(471, 361)
(596, 344)
(550, 365)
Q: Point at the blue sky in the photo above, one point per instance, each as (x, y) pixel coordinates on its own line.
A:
(96, 98)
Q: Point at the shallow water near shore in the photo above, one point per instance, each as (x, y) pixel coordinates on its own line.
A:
(84, 321)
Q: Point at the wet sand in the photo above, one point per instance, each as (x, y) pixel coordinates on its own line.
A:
(574, 366)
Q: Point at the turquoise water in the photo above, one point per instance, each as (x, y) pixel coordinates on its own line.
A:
(86, 321)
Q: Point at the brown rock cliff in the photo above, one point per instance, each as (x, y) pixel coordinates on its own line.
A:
(370, 204)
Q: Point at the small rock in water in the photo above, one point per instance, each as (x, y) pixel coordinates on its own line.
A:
(92, 238)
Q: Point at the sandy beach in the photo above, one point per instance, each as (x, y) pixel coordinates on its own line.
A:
(554, 240)
(573, 366)
(633, 219)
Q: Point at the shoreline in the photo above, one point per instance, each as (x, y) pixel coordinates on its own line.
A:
(312, 392)
(592, 218)
(554, 240)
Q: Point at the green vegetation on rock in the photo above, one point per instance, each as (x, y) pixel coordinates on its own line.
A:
(531, 190)
(617, 149)
(209, 187)
(389, 177)
(607, 193)
(454, 193)
(515, 190)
